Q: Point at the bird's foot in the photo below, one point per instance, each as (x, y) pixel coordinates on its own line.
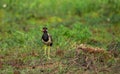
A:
(49, 58)
(44, 54)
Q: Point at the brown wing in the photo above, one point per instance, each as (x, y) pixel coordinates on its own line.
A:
(50, 40)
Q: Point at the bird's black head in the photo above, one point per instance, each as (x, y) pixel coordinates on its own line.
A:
(44, 29)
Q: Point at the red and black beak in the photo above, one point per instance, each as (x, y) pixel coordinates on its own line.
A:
(44, 29)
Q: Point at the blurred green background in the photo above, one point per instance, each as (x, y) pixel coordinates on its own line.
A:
(84, 21)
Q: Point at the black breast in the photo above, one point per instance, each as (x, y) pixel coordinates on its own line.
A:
(45, 37)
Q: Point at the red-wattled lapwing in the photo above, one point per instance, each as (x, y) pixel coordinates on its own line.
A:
(47, 40)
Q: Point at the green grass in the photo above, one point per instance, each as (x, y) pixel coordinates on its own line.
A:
(22, 50)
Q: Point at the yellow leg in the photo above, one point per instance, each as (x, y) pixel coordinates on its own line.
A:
(45, 48)
(49, 53)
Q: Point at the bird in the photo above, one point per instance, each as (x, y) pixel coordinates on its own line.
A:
(48, 42)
